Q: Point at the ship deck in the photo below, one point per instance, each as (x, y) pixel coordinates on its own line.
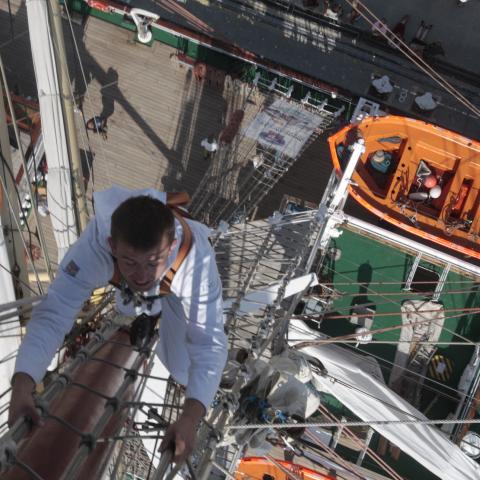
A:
(158, 113)
(370, 279)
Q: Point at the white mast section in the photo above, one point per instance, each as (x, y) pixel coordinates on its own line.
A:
(334, 203)
(59, 193)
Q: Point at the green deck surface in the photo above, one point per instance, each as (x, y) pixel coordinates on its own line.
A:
(374, 273)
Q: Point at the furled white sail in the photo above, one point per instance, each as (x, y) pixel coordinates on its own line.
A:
(59, 191)
(370, 399)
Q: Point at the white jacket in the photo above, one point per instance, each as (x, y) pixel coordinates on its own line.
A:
(192, 342)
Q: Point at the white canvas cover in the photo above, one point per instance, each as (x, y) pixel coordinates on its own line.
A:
(283, 126)
(425, 443)
(257, 299)
(59, 192)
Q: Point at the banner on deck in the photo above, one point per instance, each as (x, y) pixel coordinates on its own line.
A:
(283, 126)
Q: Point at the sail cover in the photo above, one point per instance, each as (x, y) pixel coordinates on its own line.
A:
(370, 399)
(59, 192)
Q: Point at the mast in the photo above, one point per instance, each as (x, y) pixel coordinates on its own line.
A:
(66, 97)
(55, 103)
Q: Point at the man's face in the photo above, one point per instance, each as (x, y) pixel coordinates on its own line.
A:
(141, 269)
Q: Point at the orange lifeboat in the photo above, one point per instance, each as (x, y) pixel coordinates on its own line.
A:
(259, 468)
(416, 176)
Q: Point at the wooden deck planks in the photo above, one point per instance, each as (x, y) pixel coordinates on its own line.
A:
(157, 116)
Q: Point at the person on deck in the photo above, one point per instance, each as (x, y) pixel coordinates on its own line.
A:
(136, 238)
(379, 28)
(400, 27)
(98, 124)
(354, 14)
(210, 146)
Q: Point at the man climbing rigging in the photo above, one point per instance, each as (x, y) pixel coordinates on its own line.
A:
(161, 263)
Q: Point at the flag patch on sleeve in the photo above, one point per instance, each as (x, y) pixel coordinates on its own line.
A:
(71, 268)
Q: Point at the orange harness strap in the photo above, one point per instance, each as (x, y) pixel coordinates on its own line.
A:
(176, 199)
(182, 251)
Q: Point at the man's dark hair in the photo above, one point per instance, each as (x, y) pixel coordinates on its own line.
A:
(142, 222)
